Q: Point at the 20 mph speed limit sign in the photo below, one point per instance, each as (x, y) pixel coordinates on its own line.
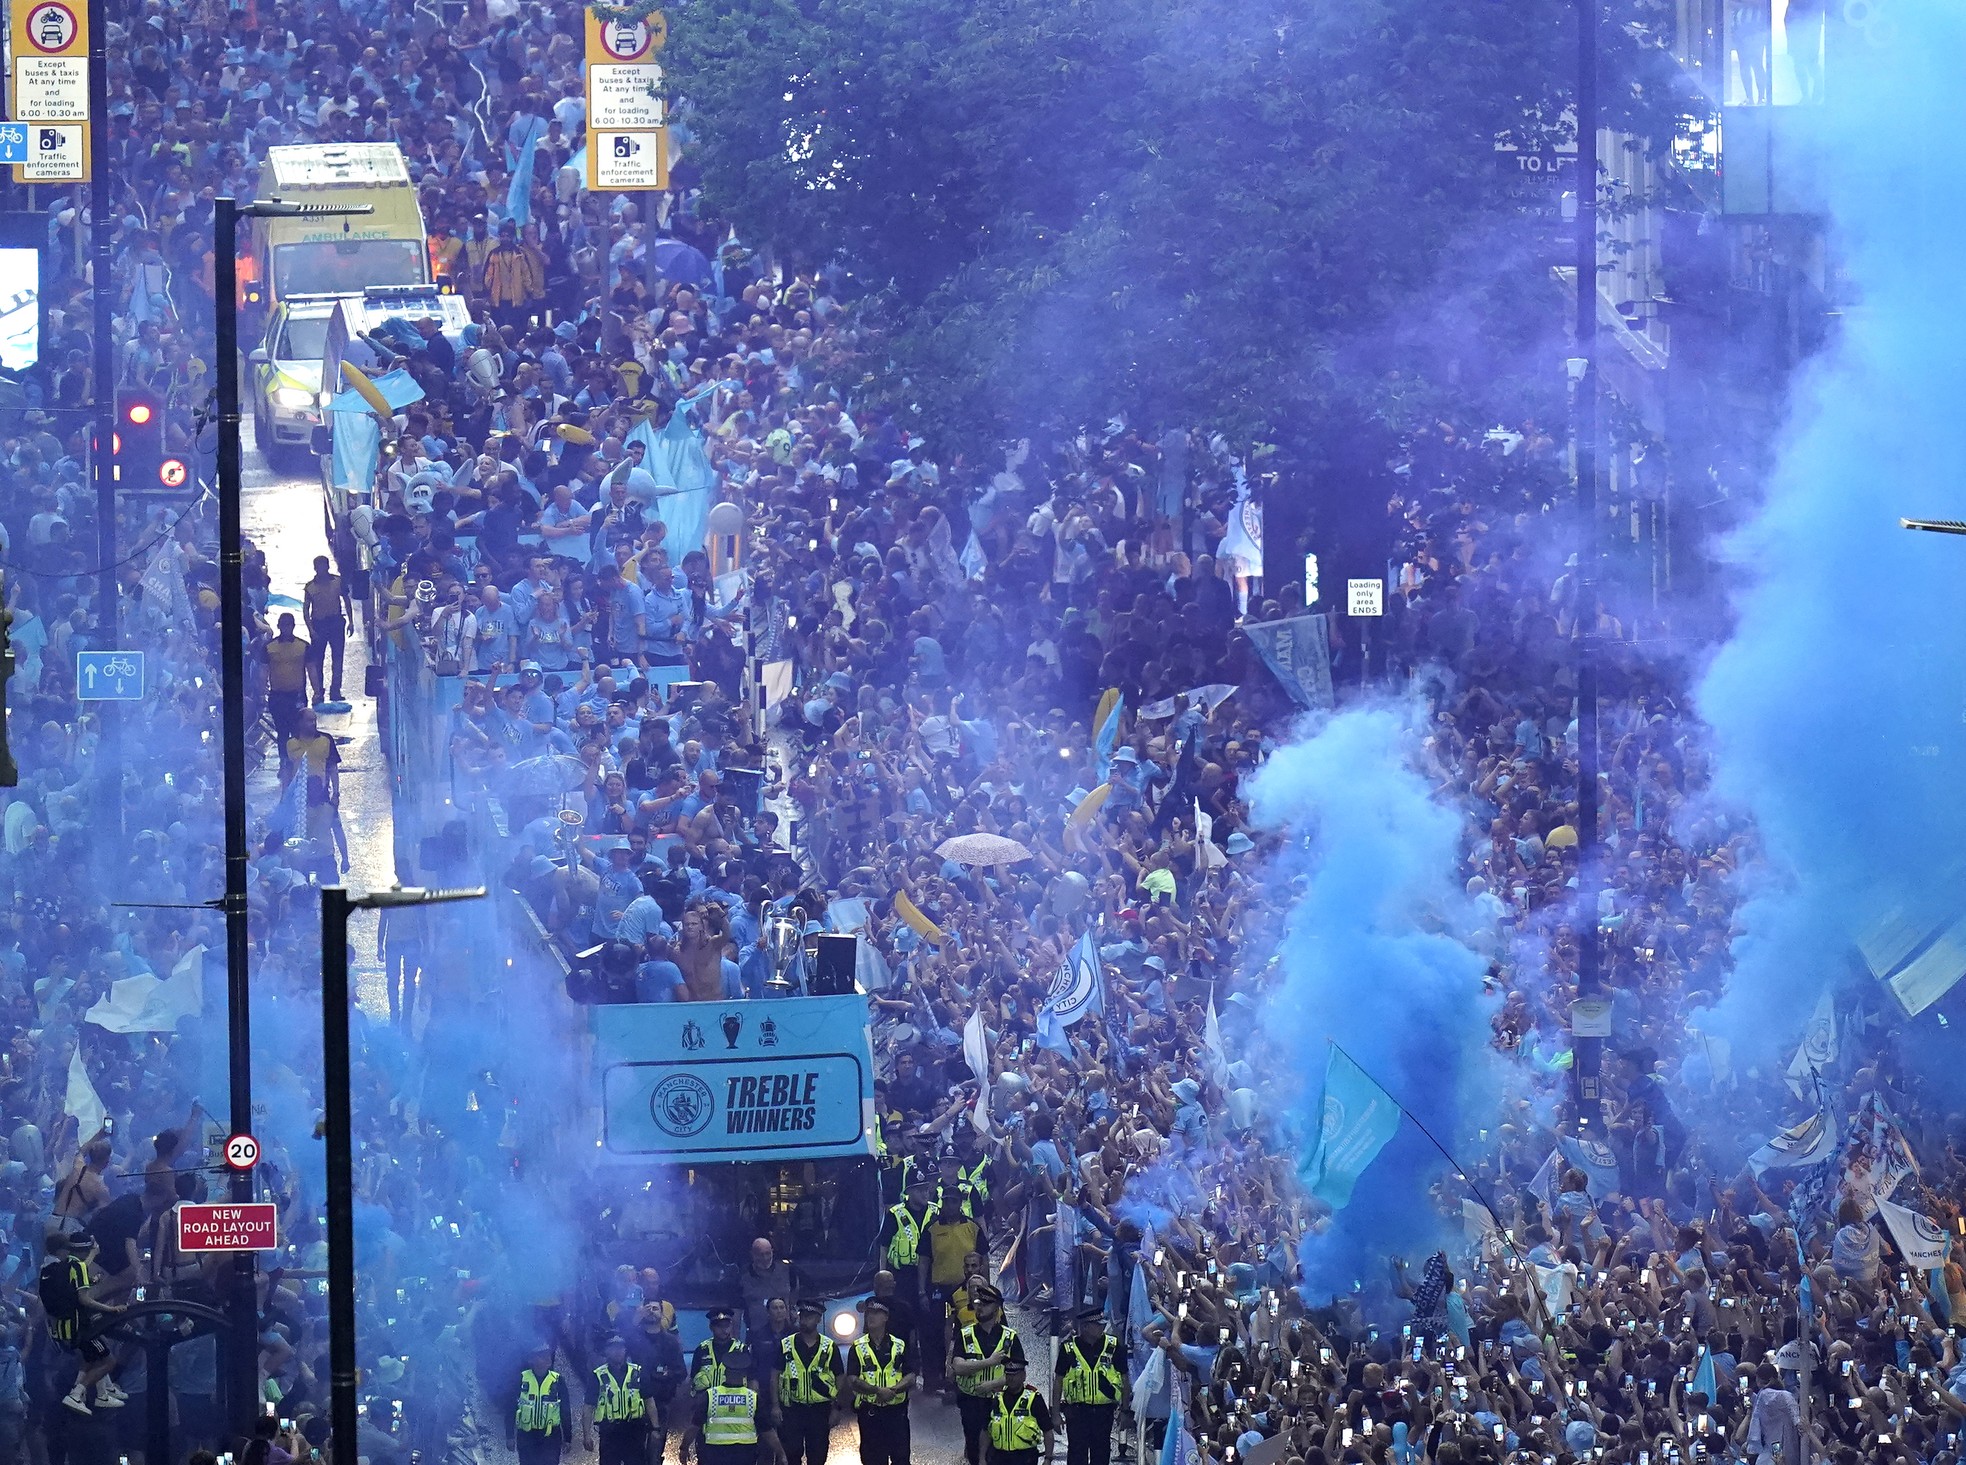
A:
(242, 1152)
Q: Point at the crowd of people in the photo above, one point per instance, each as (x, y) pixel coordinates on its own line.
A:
(895, 649)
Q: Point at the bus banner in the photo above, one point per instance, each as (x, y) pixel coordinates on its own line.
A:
(702, 1082)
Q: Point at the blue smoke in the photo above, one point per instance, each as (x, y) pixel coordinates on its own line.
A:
(1373, 960)
(1837, 706)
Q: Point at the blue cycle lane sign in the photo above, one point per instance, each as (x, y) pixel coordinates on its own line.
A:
(13, 142)
(109, 676)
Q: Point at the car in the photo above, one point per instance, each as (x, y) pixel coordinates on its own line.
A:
(286, 379)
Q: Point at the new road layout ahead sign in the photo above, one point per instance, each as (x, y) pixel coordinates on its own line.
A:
(253, 1226)
(109, 676)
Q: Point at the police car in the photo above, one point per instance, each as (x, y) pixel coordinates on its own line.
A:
(286, 377)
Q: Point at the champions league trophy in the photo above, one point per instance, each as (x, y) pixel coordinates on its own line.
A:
(783, 939)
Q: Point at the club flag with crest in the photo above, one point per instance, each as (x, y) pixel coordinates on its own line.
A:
(1799, 1146)
(1356, 1120)
(1817, 1055)
(1178, 1447)
(1595, 1159)
(1106, 729)
(1923, 1240)
(1075, 986)
(1298, 652)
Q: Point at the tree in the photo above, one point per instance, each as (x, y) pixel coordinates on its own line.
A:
(1274, 218)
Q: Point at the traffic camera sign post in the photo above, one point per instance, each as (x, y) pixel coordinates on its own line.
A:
(627, 135)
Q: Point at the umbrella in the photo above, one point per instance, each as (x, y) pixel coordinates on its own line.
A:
(679, 261)
(982, 849)
(551, 773)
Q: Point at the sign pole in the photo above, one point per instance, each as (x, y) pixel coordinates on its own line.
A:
(341, 1178)
(102, 461)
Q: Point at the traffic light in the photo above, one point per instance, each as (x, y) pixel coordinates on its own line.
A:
(137, 449)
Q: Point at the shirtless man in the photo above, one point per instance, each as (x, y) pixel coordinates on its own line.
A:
(700, 953)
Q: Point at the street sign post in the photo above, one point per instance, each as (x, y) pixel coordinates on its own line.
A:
(109, 676)
(253, 1226)
(50, 49)
(627, 139)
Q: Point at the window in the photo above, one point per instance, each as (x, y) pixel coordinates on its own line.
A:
(346, 266)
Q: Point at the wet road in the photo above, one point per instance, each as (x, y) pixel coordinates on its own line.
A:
(283, 516)
(282, 512)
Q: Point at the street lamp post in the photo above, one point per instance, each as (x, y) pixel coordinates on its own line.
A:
(241, 1307)
(336, 904)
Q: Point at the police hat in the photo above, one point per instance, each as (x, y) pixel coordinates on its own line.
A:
(873, 1305)
(1013, 1364)
(1092, 1314)
(614, 1340)
(984, 1292)
(811, 1309)
(720, 1314)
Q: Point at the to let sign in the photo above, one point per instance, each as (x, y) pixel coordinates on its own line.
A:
(254, 1226)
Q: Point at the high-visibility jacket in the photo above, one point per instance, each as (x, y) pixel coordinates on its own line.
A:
(875, 1372)
(809, 1381)
(970, 1345)
(731, 1417)
(1014, 1422)
(1090, 1381)
(619, 1401)
(539, 1407)
(905, 1249)
(711, 1371)
(975, 1178)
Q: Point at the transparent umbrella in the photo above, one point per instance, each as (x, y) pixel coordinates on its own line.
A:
(982, 849)
(551, 773)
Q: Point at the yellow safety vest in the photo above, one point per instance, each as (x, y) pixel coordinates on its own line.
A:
(972, 1347)
(1014, 1424)
(976, 1178)
(1095, 1382)
(906, 1247)
(539, 1411)
(712, 1373)
(618, 1401)
(808, 1382)
(732, 1418)
(873, 1373)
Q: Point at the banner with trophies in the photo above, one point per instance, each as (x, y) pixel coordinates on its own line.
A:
(700, 1082)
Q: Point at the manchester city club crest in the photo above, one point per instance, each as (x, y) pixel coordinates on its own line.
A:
(682, 1105)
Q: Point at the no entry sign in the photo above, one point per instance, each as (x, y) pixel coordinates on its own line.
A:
(254, 1226)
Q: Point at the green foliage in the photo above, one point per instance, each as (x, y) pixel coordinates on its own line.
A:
(1261, 217)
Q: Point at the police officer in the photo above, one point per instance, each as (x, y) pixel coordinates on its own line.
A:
(539, 1417)
(982, 1351)
(1020, 1420)
(884, 1369)
(710, 1364)
(1089, 1387)
(907, 1242)
(733, 1423)
(809, 1373)
(621, 1414)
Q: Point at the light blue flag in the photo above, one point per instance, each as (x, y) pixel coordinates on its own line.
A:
(1703, 1376)
(1357, 1119)
(1298, 651)
(1177, 1424)
(1065, 1255)
(1106, 737)
(284, 820)
(1595, 1159)
(684, 479)
(1139, 1306)
(518, 195)
(1075, 989)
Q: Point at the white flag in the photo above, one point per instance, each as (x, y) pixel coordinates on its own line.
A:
(976, 1052)
(143, 1004)
(1923, 1240)
(1208, 854)
(1218, 1057)
(82, 1100)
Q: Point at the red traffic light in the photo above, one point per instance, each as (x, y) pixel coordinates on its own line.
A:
(139, 413)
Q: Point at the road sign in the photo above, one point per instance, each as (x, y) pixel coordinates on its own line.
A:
(1365, 597)
(14, 141)
(51, 27)
(624, 98)
(254, 1226)
(624, 161)
(173, 473)
(51, 62)
(625, 40)
(241, 1152)
(109, 676)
